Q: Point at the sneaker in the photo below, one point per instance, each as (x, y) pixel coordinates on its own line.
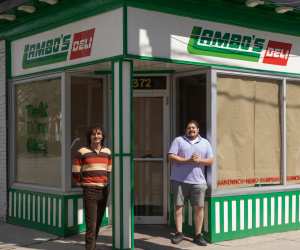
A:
(199, 240)
(178, 237)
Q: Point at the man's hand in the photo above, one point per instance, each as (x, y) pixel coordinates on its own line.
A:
(199, 160)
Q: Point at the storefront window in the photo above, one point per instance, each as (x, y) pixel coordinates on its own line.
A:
(38, 133)
(86, 109)
(248, 132)
(293, 132)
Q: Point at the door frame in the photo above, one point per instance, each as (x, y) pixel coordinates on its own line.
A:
(165, 94)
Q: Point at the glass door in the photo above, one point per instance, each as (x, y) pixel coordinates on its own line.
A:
(149, 159)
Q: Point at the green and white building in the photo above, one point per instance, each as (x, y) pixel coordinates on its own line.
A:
(142, 69)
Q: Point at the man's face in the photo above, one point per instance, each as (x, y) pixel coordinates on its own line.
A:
(192, 131)
(96, 136)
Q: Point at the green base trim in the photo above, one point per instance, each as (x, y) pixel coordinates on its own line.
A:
(31, 209)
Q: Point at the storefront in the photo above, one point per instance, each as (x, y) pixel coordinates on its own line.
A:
(141, 71)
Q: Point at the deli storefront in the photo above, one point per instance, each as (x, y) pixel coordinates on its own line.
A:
(142, 72)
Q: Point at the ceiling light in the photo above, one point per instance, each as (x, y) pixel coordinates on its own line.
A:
(7, 17)
(283, 9)
(51, 2)
(27, 8)
(254, 3)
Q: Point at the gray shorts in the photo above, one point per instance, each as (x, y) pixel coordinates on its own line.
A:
(193, 192)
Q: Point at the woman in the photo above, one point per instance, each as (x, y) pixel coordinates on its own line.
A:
(91, 170)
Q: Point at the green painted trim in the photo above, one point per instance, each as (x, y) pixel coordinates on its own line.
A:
(132, 174)
(121, 150)
(215, 66)
(122, 154)
(125, 31)
(113, 153)
(154, 72)
(61, 69)
(8, 59)
(44, 218)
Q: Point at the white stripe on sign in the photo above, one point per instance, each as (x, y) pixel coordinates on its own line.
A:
(287, 210)
(80, 211)
(233, 215)
(279, 209)
(225, 216)
(265, 212)
(294, 209)
(249, 214)
(242, 215)
(257, 213)
(272, 211)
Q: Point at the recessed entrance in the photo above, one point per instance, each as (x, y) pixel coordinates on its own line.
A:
(150, 106)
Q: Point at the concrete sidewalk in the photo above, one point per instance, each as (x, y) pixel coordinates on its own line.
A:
(150, 237)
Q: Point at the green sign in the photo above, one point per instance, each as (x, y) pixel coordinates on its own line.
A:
(216, 43)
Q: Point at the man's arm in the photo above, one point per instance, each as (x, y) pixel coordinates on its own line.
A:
(178, 159)
(199, 160)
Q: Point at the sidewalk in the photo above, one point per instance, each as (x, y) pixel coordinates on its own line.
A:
(146, 238)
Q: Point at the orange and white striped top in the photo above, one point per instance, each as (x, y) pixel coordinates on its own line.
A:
(91, 168)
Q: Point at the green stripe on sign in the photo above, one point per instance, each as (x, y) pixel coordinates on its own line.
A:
(59, 57)
(224, 53)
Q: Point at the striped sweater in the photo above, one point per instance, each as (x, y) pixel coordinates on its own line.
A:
(90, 168)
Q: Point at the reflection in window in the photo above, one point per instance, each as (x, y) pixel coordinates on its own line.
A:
(38, 133)
(248, 132)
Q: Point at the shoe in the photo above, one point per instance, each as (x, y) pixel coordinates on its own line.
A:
(178, 237)
(199, 240)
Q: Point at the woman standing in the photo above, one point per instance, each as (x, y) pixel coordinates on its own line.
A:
(91, 170)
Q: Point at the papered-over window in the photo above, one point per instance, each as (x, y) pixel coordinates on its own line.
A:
(38, 132)
(248, 132)
(293, 132)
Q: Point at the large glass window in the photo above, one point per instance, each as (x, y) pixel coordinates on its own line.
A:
(86, 109)
(38, 132)
(293, 132)
(248, 132)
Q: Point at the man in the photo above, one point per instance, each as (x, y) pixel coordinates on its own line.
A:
(189, 154)
(91, 170)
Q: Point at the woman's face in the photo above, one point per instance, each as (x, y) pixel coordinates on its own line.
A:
(96, 136)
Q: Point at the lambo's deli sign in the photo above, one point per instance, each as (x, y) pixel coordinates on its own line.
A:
(61, 48)
(245, 47)
(84, 41)
(191, 40)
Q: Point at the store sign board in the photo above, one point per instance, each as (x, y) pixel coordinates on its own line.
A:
(180, 38)
(87, 40)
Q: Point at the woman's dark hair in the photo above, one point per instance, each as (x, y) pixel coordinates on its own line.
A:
(90, 131)
(193, 122)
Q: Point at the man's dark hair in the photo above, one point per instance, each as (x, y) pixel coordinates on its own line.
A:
(90, 131)
(193, 122)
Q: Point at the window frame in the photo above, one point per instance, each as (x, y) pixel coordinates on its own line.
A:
(12, 132)
(212, 91)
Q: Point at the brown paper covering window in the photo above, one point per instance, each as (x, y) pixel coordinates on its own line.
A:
(248, 132)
